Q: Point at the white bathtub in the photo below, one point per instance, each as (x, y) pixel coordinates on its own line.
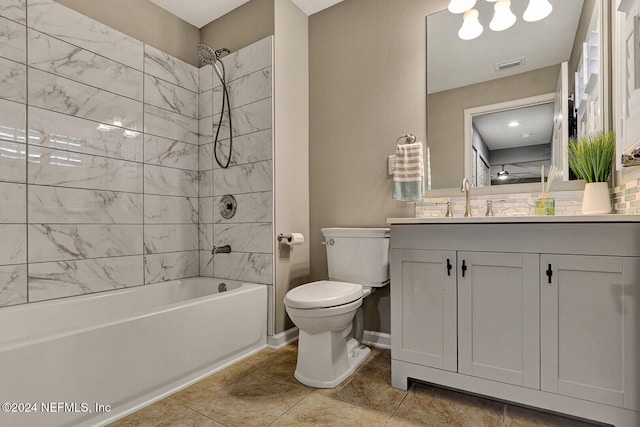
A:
(125, 349)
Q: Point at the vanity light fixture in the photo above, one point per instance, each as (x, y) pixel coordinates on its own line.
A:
(537, 10)
(503, 18)
(471, 27)
(461, 6)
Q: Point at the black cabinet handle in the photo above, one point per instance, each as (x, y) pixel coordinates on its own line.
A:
(549, 272)
(464, 267)
(449, 267)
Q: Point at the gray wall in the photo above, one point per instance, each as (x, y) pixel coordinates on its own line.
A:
(291, 147)
(478, 143)
(530, 153)
(144, 21)
(367, 86)
(247, 24)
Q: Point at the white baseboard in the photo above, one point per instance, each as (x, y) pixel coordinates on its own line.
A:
(282, 339)
(377, 339)
(370, 338)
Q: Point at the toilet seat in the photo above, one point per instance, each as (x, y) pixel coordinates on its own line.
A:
(323, 294)
(311, 313)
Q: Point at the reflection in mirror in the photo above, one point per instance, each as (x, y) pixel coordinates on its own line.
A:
(509, 146)
(521, 62)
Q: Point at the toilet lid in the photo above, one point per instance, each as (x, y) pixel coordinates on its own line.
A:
(323, 294)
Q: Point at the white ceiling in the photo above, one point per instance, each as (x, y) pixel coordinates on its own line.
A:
(200, 12)
(536, 121)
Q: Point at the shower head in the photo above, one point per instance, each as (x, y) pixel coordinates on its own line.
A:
(208, 55)
(221, 51)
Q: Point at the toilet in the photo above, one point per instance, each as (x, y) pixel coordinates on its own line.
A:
(328, 313)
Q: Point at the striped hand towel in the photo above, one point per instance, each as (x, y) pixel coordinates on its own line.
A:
(408, 176)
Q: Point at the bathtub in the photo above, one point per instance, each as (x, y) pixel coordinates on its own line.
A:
(89, 360)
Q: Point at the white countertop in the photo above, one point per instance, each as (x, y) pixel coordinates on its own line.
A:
(516, 219)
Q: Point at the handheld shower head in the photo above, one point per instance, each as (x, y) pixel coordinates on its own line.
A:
(212, 57)
(221, 52)
(206, 54)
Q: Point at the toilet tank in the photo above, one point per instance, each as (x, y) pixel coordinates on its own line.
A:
(358, 255)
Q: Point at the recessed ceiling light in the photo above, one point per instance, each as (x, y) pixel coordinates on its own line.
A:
(513, 124)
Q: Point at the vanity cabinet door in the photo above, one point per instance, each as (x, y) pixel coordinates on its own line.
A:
(498, 317)
(423, 307)
(590, 328)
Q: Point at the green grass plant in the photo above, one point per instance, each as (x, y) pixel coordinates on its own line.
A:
(591, 158)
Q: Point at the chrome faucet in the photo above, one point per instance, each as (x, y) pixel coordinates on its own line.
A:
(466, 187)
(221, 249)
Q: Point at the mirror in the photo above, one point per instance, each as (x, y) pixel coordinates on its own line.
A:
(474, 85)
(511, 141)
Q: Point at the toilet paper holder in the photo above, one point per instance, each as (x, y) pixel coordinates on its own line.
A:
(290, 238)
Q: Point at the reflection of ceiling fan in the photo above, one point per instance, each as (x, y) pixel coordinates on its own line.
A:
(503, 174)
(516, 172)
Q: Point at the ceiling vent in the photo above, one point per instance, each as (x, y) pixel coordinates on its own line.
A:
(510, 64)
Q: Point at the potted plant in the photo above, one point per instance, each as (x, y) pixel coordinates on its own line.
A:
(591, 159)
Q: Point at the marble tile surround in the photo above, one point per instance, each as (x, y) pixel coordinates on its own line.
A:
(105, 203)
(249, 177)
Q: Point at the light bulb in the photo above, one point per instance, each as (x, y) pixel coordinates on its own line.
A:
(103, 128)
(537, 10)
(461, 6)
(503, 18)
(471, 27)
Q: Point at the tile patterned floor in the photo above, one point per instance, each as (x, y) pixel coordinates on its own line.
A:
(261, 391)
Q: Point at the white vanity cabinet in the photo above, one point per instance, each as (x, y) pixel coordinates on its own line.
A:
(428, 296)
(499, 317)
(589, 306)
(543, 314)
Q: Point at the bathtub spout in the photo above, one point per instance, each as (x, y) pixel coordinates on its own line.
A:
(221, 249)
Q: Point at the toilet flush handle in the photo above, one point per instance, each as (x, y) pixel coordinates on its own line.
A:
(331, 242)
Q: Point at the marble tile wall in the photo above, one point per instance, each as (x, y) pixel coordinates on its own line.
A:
(98, 157)
(249, 178)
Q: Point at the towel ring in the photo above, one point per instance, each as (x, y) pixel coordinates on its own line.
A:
(408, 139)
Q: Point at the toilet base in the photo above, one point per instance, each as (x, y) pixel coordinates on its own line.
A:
(327, 359)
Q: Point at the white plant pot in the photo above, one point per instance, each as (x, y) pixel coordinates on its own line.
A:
(596, 200)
